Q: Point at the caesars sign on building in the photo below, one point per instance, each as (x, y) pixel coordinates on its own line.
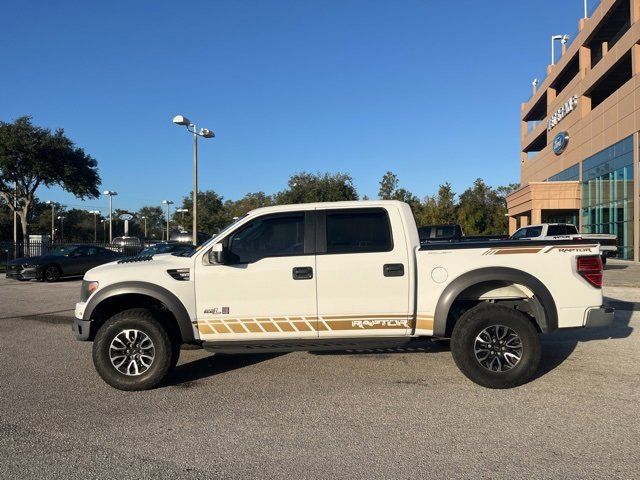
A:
(568, 107)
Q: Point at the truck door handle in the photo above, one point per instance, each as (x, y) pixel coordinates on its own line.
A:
(393, 270)
(302, 273)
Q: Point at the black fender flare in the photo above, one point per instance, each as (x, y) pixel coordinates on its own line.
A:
(175, 306)
(549, 313)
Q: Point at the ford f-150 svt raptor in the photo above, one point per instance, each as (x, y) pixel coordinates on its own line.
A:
(338, 276)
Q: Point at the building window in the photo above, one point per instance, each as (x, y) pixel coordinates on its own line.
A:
(607, 194)
(571, 173)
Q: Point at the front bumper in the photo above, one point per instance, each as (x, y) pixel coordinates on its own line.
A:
(599, 317)
(20, 272)
(81, 327)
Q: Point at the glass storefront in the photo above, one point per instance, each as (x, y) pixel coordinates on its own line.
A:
(571, 173)
(607, 194)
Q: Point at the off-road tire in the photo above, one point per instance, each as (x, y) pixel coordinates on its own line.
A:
(603, 257)
(144, 321)
(483, 316)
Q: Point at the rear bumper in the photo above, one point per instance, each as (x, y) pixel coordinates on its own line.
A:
(599, 317)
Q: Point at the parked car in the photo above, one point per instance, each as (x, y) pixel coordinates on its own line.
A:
(67, 261)
(165, 247)
(567, 231)
(339, 276)
(127, 245)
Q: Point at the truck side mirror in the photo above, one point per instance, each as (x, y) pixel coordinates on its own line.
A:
(216, 254)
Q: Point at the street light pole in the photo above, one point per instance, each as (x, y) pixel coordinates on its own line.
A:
(110, 194)
(53, 216)
(206, 133)
(167, 203)
(61, 218)
(104, 231)
(95, 225)
(145, 226)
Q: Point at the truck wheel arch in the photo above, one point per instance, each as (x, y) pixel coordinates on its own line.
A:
(544, 305)
(140, 290)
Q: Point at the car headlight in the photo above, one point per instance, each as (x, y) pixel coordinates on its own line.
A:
(30, 265)
(87, 288)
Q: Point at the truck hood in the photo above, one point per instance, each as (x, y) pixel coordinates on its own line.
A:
(138, 268)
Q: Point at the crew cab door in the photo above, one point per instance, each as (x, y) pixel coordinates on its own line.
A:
(265, 286)
(362, 273)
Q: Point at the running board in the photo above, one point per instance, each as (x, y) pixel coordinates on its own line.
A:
(314, 345)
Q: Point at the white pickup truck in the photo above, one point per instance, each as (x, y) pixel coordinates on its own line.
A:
(567, 231)
(338, 276)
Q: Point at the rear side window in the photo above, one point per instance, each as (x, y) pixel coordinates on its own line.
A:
(533, 232)
(269, 236)
(358, 231)
(445, 231)
(556, 230)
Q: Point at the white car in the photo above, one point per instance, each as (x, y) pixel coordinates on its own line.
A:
(566, 231)
(331, 276)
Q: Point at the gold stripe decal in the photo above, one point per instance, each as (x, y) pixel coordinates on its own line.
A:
(512, 250)
(312, 323)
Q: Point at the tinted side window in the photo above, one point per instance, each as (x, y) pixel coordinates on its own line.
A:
(269, 236)
(445, 231)
(556, 230)
(358, 231)
(534, 232)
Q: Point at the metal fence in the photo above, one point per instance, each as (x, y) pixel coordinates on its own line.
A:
(11, 250)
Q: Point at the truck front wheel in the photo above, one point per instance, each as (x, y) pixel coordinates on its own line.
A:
(132, 351)
(496, 346)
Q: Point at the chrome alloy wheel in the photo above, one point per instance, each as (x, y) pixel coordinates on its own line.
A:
(498, 348)
(132, 352)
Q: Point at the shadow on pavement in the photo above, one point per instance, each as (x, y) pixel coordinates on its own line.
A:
(558, 346)
(615, 267)
(186, 374)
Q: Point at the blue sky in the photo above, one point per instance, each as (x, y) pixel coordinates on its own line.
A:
(428, 89)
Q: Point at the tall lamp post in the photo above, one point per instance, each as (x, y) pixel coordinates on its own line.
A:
(61, 218)
(205, 133)
(145, 226)
(167, 203)
(104, 231)
(95, 224)
(53, 219)
(110, 194)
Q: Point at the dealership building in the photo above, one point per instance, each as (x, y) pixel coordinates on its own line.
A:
(580, 129)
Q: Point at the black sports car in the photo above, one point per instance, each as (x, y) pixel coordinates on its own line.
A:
(68, 261)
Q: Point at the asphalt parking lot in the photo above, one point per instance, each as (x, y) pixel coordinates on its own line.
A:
(302, 415)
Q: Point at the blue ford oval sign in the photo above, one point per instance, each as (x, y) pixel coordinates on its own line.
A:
(560, 142)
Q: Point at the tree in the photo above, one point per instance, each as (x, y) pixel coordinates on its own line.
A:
(211, 213)
(320, 187)
(388, 186)
(389, 191)
(155, 222)
(481, 210)
(31, 156)
(445, 205)
(249, 202)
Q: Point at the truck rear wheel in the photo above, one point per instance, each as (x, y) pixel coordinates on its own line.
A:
(496, 346)
(132, 351)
